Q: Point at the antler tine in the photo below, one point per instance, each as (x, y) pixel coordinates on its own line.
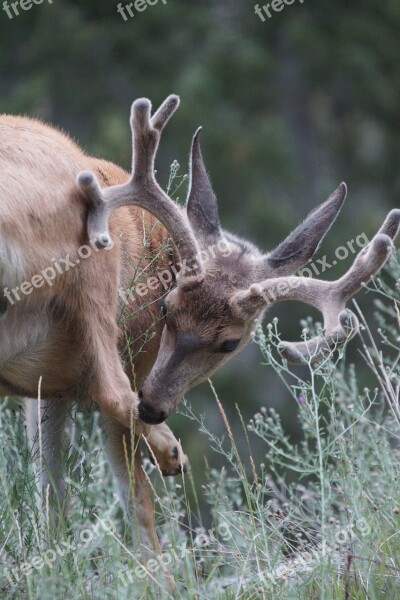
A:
(391, 224)
(142, 189)
(146, 133)
(97, 223)
(165, 112)
(329, 297)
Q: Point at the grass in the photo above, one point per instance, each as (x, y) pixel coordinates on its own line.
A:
(316, 519)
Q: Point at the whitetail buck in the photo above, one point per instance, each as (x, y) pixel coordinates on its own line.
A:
(53, 200)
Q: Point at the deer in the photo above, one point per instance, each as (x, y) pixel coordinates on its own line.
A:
(82, 337)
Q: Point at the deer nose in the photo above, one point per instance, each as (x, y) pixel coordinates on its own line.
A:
(150, 415)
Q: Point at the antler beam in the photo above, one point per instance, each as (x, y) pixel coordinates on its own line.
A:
(330, 297)
(142, 189)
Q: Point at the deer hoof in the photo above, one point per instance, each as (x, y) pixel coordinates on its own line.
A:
(172, 463)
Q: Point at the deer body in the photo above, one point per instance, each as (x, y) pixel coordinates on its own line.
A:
(66, 332)
(72, 333)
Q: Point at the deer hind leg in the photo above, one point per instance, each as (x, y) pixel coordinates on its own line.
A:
(48, 446)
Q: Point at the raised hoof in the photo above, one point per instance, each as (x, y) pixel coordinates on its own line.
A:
(173, 464)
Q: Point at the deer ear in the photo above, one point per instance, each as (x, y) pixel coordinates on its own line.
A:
(202, 208)
(302, 243)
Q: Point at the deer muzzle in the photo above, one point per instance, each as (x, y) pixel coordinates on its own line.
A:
(154, 408)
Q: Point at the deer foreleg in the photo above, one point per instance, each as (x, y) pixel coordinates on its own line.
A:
(123, 453)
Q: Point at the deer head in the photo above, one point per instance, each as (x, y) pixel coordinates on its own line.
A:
(210, 316)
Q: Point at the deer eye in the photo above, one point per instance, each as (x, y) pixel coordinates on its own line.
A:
(229, 346)
(163, 308)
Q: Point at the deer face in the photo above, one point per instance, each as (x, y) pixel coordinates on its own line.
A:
(205, 324)
(201, 332)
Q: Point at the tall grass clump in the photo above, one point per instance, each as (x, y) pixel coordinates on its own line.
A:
(314, 518)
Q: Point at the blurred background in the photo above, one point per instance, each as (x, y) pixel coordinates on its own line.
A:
(290, 107)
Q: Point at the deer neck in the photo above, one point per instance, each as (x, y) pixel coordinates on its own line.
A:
(147, 259)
